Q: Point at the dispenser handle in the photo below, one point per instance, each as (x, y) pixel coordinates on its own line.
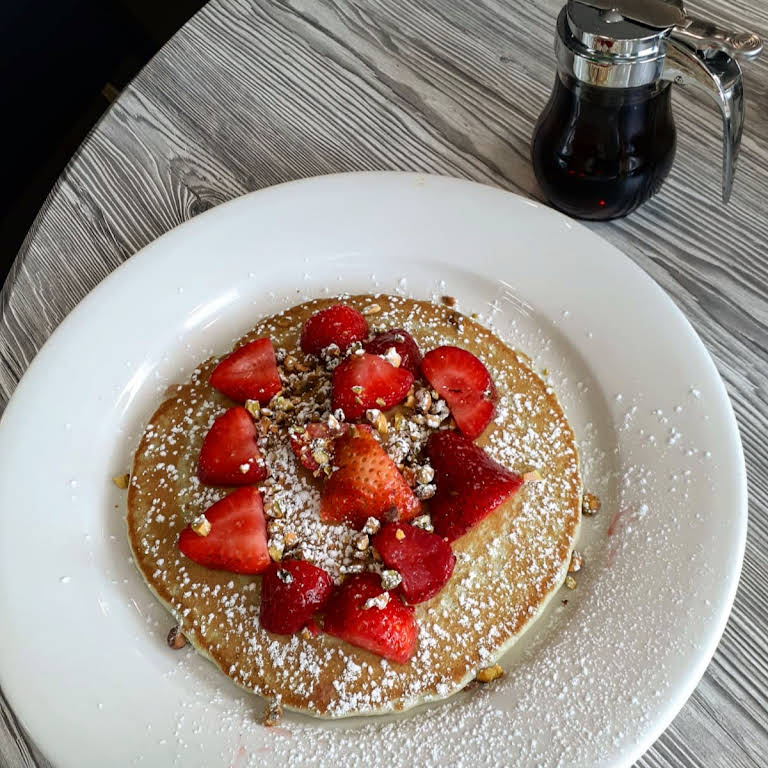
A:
(719, 76)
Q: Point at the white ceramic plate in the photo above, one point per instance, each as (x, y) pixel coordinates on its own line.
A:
(83, 658)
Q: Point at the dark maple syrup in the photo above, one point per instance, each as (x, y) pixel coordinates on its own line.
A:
(599, 153)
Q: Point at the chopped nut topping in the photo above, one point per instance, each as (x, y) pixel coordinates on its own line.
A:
(175, 639)
(433, 421)
(425, 474)
(361, 541)
(532, 476)
(338, 414)
(380, 601)
(281, 403)
(381, 402)
(399, 534)
(122, 481)
(390, 579)
(570, 582)
(424, 492)
(371, 526)
(275, 526)
(357, 389)
(371, 309)
(410, 401)
(489, 674)
(393, 357)
(290, 539)
(590, 504)
(244, 468)
(577, 562)
(284, 576)
(290, 363)
(424, 522)
(333, 423)
(306, 634)
(201, 525)
(273, 712)
(276, 548)
(423, 400)
(320, 456)
(275, 510)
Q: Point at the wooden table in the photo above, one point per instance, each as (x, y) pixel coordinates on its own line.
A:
(249, 94)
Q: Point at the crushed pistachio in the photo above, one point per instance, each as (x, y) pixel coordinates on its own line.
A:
(254, 408)
(570, 582)
(399, 534)
(380, 601)
(275, 510)
(423, 400)
(290, 539)
(273, 712)
(201, 525)
(577, 562)
(276, 548)
(424, 522)
(371, 309)
(590, 504)
(122, 481)
(489, 674)
(371, 526)
(176, 639)
(362, 541)
(390, 579)
(392, 356)
(532, 476)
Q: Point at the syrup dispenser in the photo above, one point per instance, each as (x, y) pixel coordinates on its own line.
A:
(606, 140)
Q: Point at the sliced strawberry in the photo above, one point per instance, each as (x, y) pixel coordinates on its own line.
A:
(249, 373)
(339, 324)
(366, 381)
(230, 454)
(366, 484)
(237, 541)
(292, 592)
(390, 631)
(315, 436)
(424, 560)
(470, 484)
(464, 382)
(404, 344)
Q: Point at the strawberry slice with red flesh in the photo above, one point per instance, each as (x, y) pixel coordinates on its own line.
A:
(390, 631)
(292, 592)
(366, 484)
(339, 324)
(424, 560)
(249, 373)
(470, 484)
(404, 344)
(230, 454)
(465, 384)
(315, 435)
(237, 541)
(367, 381)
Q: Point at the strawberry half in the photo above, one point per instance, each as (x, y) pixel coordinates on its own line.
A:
(390, 631)
(366, 484)
(404, 344)
(470, 484)
(424, 560)
(237, 541)
(339, 324)
(366, 381)
(313, 437)
(292, 592)
(249, 373)
(230, 454)
(465, 384)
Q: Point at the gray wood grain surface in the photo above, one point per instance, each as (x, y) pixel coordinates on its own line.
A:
(255, 92)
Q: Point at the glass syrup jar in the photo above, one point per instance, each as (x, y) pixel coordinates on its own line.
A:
(605, 141)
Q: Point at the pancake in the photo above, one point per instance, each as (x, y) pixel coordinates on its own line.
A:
(507, 567)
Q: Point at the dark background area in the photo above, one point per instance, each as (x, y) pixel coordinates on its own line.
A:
(61, 65)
